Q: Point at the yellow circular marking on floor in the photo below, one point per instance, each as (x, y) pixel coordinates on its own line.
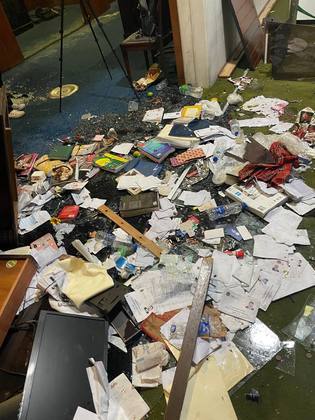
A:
(66, 90)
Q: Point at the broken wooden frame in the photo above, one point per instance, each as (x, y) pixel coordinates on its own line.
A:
(237, 54)
(180, 381)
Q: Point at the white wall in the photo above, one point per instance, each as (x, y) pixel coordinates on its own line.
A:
(209, 36)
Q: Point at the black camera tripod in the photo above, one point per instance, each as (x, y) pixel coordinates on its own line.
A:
(89, 14)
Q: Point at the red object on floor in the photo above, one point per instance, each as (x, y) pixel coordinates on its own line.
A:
(68, 212)
(272, 173)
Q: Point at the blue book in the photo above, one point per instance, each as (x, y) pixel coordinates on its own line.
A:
(156, 151)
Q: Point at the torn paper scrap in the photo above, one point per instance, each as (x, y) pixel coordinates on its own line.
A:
(197, 199)
(98, 381)
(147, 362)
(125, 402)
(29, 223)
(83, 414)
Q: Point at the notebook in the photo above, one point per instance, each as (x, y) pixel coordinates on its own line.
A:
(141, 204)
(176, 141)
(156, 150)
(110, 162)
(61, 152)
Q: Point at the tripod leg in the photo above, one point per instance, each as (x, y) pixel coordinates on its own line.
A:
(88, 18)
(62, 13)
(111, 47)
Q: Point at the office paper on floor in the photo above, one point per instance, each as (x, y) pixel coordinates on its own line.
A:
(114, 400)
(255, 258)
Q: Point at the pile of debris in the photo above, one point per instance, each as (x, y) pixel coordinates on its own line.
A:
(135, 212)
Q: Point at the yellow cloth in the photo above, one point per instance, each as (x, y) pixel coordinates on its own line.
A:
(83, 279)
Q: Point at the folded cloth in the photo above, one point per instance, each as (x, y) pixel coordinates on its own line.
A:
(272, 173)
(83, 280)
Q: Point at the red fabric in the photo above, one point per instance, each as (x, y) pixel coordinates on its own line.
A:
(272, 173)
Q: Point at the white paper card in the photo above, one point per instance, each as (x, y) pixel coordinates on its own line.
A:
(123, 148)
(244, 232)
(214, 233)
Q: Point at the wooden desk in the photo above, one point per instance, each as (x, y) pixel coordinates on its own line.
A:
(16, 272)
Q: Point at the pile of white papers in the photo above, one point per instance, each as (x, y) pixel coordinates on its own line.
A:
(138, 181)
(197, 199)
(29, 223)
(270, 107)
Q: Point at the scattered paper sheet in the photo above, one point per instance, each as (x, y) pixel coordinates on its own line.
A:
(98, 380)
(287, 236)
(197, 199)
(93, 203)
(244, 232)
(298, 190)
(302, 208)
(125, 402)
(153, 115)
(80, 197)
(138, 305)
(98, 137)
(171, 115)
(259, 122)
(29, 223)
(174, 330)
(147, 362)
(238, 305)
(46, 256)
(61, 230)
(83, 280)
(267, 247)
(265, 289)
(281, 127)
(232, 363)
(214, 130)
(267, 106)
(301, 276)
(75, 186)
(282, 216)
(265, 188)
(42, 199)
(214, 233)
(123, 148)
(83, 414)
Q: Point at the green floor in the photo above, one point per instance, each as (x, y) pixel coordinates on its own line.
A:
(283, 397)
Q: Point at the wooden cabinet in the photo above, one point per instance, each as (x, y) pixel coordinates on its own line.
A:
(8, 191)
(10, 52)
(16, 272)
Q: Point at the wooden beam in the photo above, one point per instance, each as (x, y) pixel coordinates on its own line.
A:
(132, 231)
(232, 63)
(177, 41)
(178, 391)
